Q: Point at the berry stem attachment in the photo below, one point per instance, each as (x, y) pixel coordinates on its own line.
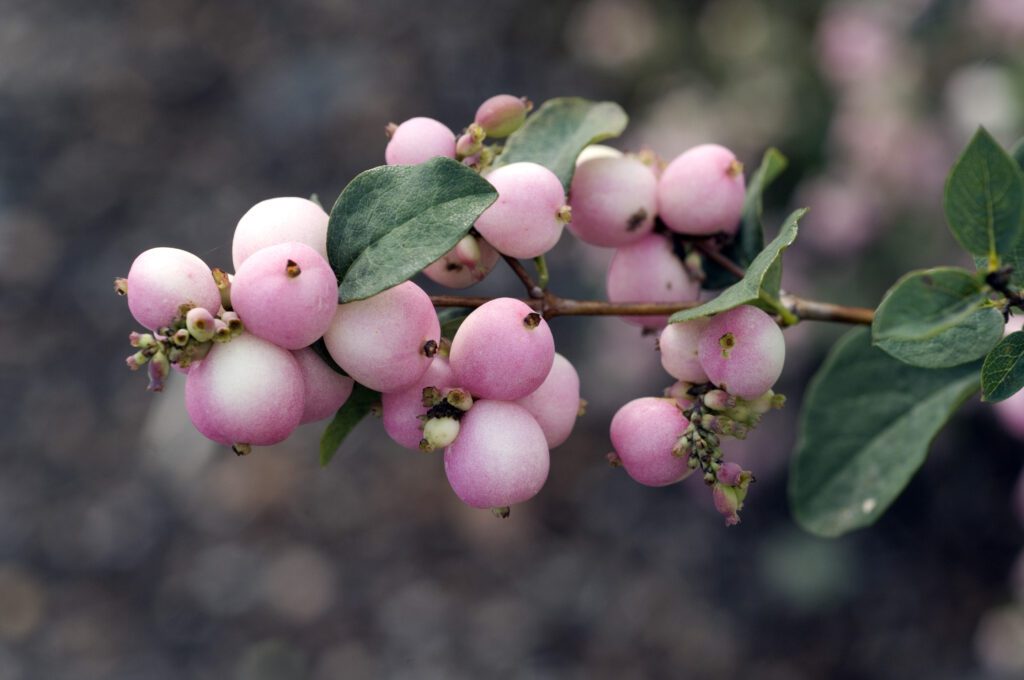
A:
(543, 277)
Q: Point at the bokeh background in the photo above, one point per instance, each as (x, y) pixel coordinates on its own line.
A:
(132, 548)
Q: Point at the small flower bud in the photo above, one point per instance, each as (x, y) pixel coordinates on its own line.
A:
(180, 337)
(459, 398)
(221, 332)
(136, 360)
(233, 321)
(199, 322)
(503, 512)
(431, 396)
(719, 400)
(680, 391)
(502, 114)
(730, 490)
(466, 146)
(564, 214)
(159, 368)
(241, 449)
(438, 433)
(141, 340)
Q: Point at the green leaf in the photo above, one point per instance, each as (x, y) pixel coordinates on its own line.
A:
(867, 422)
(748, 289)
(1002, 374)
(392, 221)
(984, 199)
(348, 416)
(935, 318)
(749, 240)
(554, 134)
(1017, 153)
(451, 318)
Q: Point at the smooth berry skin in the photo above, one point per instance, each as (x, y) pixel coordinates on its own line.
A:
(743, 351)
(524, 221)
(595, 151)
(643, 433)
(246, 391)
(418, 140)
(161, 280)
(679, 344)
(701, 192)
(501, 115)
(279, 220)
(400, 410)
(325, 389)
(500, 457)
(614, 201)
(496, 354)
(289, 311)
(555, 405)
(469, 262)
(649, 271)
(380, 341)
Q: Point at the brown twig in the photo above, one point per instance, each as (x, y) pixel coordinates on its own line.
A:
(718, 258)
(532, 289)
(552, 306)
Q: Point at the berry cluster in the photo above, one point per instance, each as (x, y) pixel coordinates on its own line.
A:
(270, 347)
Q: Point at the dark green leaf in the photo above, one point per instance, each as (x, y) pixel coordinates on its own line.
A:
(320, 347)
(1017, 152)
(937, 317)
(359, 403)
(1002, 374)
(748, 289)
(392, 221)
(984, 198)
(554, 135)
(749, 239)
(865, 429)
(451, 318)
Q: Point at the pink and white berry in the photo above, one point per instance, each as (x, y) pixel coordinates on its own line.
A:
(502, 114)
(286, 294)
(503, 350)
(679, 344)
(527, 218)
(381, 341)
(499, 458)
(742, 351)
(246, 391)
(161, 280)
(467, 263)
(643, 432)
(701, 191)
(555, 405)
(418, 140)
(649, 271)
(400, 410)
(595, 151)
(325, 389)
(613, 201)
(279, 220)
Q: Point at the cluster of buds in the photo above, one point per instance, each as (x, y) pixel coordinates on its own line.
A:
(444, 413)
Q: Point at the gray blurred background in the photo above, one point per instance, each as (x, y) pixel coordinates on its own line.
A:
(130, 548)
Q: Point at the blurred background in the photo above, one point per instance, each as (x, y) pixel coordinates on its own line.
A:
(132, 548)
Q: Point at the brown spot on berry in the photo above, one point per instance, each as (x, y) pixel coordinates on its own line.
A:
(636, 219)
(532, 320)
(727, 342)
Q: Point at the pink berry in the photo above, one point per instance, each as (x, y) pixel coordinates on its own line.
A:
(643, 432)
(679, 345)
(325, 389)
(279, 220)
(502, 114)
(286, 294)
(527, 218)
(401, 410)
(385, 342)
(418, 140)
(701, 192)
(648, 271)
(163, 279)
(613, 201)
(246, 391)
(742, 351)
(499, 458)
(503, 350)
(467, 263)
(555, 405)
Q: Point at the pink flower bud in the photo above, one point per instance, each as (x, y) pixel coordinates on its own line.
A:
(199, 322)
(502, 114)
